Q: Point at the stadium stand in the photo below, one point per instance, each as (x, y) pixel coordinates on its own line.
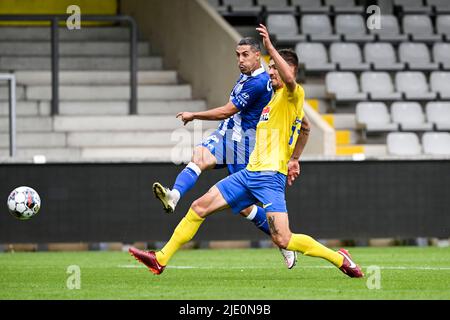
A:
(402, 68)
(94, 94)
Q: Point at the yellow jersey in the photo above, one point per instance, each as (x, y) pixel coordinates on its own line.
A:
(277, 131)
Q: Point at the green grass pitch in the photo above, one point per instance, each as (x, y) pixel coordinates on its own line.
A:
(405, 273)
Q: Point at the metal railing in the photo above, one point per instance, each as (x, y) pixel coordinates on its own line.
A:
(11, 78)
(55, 19)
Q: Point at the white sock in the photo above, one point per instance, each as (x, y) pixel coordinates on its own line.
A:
(252, 214)
(175, 196)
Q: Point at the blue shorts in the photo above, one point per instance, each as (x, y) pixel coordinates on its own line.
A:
(229, 154)
(245, 188)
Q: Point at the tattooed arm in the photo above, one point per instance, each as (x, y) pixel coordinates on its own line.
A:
(294, 165)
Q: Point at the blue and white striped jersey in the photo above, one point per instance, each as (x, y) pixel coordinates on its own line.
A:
(250, 95)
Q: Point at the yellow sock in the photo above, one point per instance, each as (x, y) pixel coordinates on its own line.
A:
(310, 247)
(183, 233)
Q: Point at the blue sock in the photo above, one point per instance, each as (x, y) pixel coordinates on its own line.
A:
(260, 220)
(187, 178)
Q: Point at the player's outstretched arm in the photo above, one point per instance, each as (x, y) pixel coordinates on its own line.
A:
(286, 72)
(294, 165)
(219, 113)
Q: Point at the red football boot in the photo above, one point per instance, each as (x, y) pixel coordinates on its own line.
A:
(148, 258)
(349, 267)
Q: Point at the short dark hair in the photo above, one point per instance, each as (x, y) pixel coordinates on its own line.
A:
(249, 41)
(290, 56)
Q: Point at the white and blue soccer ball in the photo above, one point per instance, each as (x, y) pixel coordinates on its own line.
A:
(24, 203)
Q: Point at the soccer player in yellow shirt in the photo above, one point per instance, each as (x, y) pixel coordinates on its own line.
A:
(273, 161)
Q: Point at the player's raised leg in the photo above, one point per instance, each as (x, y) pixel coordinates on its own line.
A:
(209, 203)
(257, 215)
(284, 238)
(202, 159)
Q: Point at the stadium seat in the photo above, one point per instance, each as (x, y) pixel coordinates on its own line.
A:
(439, 114)
(285, 28)
(353, 27)
(344, 6)
(242, 6)
(440, 82)
(412, 6)
(443, 25)
(414, 86)
(277, 6)
(410, 116)
(441, 6)
(318, 27)
(374, 117)
(436, 143)
(347, 56)
(310, 6)
(420, 28)
(313, 57)
(403, 144)
(441, 54)
(379, 86)
(217, 6)
(416, 56)
(344, 86)
(390, 29)
(382, 56)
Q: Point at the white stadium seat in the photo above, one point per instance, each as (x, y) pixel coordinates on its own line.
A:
(344, 6)
(382, 56)
(416, 56)
(420, 28)
(441, 54)
(313, 55)
(414, 86)
(353, 27)
(436, 143)
(410, 116)
(389, 29)
(374, 117)
(318, 27)
(440, 83)
(379, 85)
(285, 28)
(310, 6)
(403, 144)
(347, 56)
(344, 86)
(278, 6)
(439, 114)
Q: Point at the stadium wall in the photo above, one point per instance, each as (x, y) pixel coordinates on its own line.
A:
(113, 202)
(194, 39)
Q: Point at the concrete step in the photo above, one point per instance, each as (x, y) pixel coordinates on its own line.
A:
(170, 107)
(156, 154)
(71, 48)
(83, 93)
(375, 150)
(341, 121)
(28, 124)
(95, 77)
(23, 108)
(158, 123)
(83, 34)
(89, 108)
(78, 63)
(35, 140)
(49, 153)
(167, 139)
(4, 92)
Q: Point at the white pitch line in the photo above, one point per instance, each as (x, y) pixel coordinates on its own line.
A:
(133, 266)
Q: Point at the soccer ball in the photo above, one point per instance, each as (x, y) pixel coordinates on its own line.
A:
(24, 203)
